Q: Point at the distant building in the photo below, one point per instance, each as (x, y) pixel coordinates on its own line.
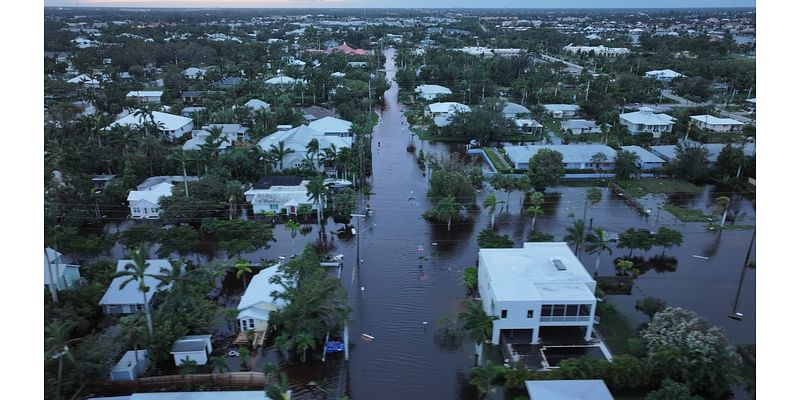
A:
(431, 92)
(597, 50)
(194, 73)
(664, 75)
(717, 125)
(646, 121)
(514, 110)
(561, 110)
(172, 126)
(147, 96)
(538, 285)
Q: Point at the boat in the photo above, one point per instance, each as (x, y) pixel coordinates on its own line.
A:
(337, 183)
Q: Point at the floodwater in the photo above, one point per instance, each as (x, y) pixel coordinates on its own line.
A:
(411, 272)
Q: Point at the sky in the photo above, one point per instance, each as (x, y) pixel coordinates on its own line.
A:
(404, 4)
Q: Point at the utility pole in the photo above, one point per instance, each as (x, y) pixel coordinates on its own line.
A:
(735, 314)
(588, 83)
(346, 332)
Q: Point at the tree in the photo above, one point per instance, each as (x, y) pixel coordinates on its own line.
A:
(505, 183)
(597, 244)
(722, 203)
(238, 236)
(545, 169)
(56, 343)
(136, 271)
(666, 237)
(489, 239)
(447, 209)
(138, 234)
(448, 327)
(181, 239)
(536, 201)
(218, 364)
(316, 193)
(187, 366)
(470, 281)
(540, 236)
(490, 202)
(478, 326)
(576, 235)
(597, 159)
(635, 239)
(280, 152)
(483, 377)
(182, 158)
(684, 348)
(691, 163)
(650, 306)
(730, 160)
(132, 333)
(302, 343)
(626, 163)
(671, 390)
(623, 266)
(593, 196)
(516, 375)
(242, 268)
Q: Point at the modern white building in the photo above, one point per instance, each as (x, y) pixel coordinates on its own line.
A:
(66, 275)
(129, 300)
(172, 126)
(147, 96)
(561, 110)
(332, 126)
(431, 92)
(144, 204)
(536, 286)
(664, 75)
(718, 125)
(297, 139)
(257, 301)
(280, 199)
(193, 347)
(132, 364)
(647, 121)
(597, 50)
(578, 389)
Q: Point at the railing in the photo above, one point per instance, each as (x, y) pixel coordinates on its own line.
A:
(565, 319)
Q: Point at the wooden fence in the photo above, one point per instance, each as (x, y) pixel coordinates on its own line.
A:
(225, 381)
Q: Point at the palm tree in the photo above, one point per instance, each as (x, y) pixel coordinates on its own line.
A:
(278, 390)
(174, 277)
(315, 190)
(219, 364)
(723, 202)
(280, 152)
(270, 370)
(302, 343)
(346, 160)
(478, 326)
(56, 344)
(576, 234)
(491, 203)
(597, 243)
(482, 377)
(537, 199)
(145, 115)
(233, 191)
(516, 375)
(187, 366)
(283, 342)
(312, 149)
(242, 268)
(180, 156)
(136, 271)
(152, 147)
(329, 157)
(447, 209)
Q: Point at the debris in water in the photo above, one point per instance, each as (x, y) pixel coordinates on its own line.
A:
(701, 257)
(368, 337)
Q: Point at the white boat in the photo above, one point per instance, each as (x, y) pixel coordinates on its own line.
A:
(337, 183)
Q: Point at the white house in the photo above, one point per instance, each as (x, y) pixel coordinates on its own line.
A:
(445, 109)
(331, 126)
(513, 111)
(66, 275)
(144, 204)
(647, 121)
(199, 138)
(147, 96)
(193, 347)
(574, 156)
(528, 125)
(256, 104)
(579, 126)
(297, 139)
(536, 286)
(664, 75)
(430, 92)
(128, 368)
(172, 126)
(647, 160)
(577, 389)
(718, 125)
(129, 300)
(284, 81)
(597, 50)
(561, 110)
(280, 199)
(257, 302)
(194, 73)
(85, 81)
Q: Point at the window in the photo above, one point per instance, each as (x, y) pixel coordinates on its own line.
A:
(273, 206)
(547, 310)
(558, 310)
(503, 314)
(139, 307)
(530, 313)
(572, 310)
(585, 310)
(252, 323)
(136, 210)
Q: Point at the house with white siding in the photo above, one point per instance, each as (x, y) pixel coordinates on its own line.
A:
(171, 126)
(297, 139)
(539, 285)
(144, 204)
(647, 160)
(431, 92)
(574, 156)
(128, 299)
(561, 110)
(332, 126)
(279, 199)
(59, 275)
(717, 125)
(146, 96)
(193, 348)
(647, 121)
(664, 75)
(257, 301)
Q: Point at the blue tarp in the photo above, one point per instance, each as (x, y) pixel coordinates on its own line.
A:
(333, 346)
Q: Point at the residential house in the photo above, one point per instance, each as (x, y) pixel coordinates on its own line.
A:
(529, 126)
(233, 132)
(173, 179)
(144, 204)
(283, 80)
(750, 104)
(579, 126)
(669, 152)
(193, 347)
(577, 389)
(338, 74)
(514, 111)
(315, 112)
(85, 81)
(561, 110)
(188, 111)
(199, 138)
(257, 301)
(448, 108)
(129, 300)
(717, 125)
(132, 364)
(256, 104)
(575, 156)
(347, 50)
(597, 50)
(537, 286)
(431, 92)
(647, 121)
(194, 73)
(100, 182)
(269, 181)
(228, 82)
(191, 96)
(297, 139)
(664, 75)
(357, 64)
(66, 275)
(146, 96)
(330, 126)
(281, 199)
(172, 126)
(647, 160)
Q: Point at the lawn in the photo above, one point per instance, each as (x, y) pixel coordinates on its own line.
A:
(641, 187)
(498, 160)
(553, 125)
(687, 215)
(615, 328)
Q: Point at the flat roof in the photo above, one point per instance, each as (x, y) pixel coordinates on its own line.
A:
(644, 155)
(529, 273)
(578, 389)
(571, 153)
(712, 120)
